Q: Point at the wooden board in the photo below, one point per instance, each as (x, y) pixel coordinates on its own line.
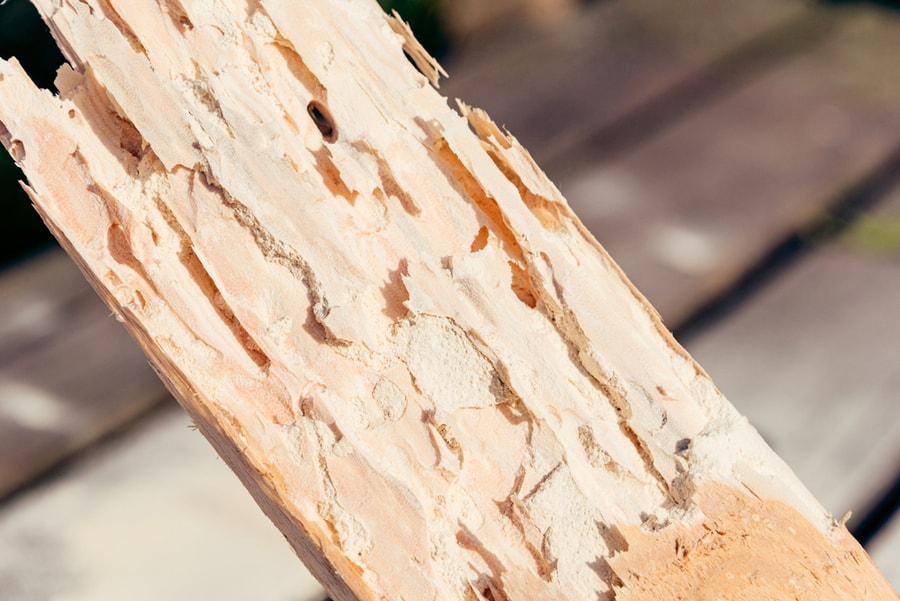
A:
(875, 232)
(667, 51)
(49, 308)
(466, 18)
(95, 597)
(824, 336)
(690, 211)
(301, 411)
(97, 533)
(69, 373)
(553, 87)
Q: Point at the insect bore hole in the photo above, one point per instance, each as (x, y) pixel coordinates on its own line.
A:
(320, 116)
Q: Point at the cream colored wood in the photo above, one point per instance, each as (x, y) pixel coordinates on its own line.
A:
(389, 322)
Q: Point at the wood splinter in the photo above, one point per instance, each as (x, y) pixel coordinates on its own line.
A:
(390, 324)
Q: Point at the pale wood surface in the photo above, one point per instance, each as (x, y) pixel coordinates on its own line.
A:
(447, 337)
(152, 516)
(681, 239)
(646, 83)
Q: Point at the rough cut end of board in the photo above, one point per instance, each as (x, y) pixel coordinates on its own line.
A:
(389, 322)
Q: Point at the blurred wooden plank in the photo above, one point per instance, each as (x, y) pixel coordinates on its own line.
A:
(69, 373)
(876, 231)
(825, 335)
(96, 532)
(553, 86)
(689, 212)
(885, 550)
(464, 18)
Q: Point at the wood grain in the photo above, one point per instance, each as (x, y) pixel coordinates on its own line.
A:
(387, 320)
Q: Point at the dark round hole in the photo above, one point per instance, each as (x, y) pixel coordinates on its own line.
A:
(323, 120)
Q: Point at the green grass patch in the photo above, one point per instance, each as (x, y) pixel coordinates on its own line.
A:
(874, 233)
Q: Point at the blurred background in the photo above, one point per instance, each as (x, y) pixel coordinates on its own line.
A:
(740, 160)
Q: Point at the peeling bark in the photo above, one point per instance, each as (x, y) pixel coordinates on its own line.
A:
(390, 324)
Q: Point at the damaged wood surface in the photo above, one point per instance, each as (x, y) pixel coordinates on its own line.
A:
(420, 363)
